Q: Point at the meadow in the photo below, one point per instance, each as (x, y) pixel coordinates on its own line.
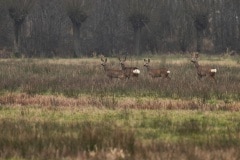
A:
(69, 109)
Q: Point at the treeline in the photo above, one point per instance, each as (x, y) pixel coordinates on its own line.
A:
(75, 28)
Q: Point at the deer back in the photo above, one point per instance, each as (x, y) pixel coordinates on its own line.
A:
(201, 69)
(206, 70)
(129, 71)
(155, 72)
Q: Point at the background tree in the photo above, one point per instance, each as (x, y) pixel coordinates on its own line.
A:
(4, 28)
(184, 29)
(116, 26)
(199, 10)
(18, 11)
(226, 28)
(139, 12)
(77, 11)
(109, 27)
(47, 30)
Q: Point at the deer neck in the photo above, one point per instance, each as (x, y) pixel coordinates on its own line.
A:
(197, 65)
(123, 66)
(148, 68)
(105, 68)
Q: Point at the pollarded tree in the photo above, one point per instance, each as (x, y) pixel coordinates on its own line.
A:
(77, 11)
(139, 13)
(201, 24)
(18, 11)
(199, 11)
(138, 21)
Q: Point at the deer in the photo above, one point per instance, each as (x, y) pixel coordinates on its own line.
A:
(129, 71)
(154, 73)
(112, 73)
(203, 71)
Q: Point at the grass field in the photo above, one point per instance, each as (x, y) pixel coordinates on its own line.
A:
(69, 109)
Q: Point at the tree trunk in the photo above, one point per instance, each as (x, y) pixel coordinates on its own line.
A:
(199, 40)
(137, 37)
(17, 29)
(76, 41)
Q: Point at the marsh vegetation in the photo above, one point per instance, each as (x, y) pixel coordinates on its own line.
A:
(70, 109)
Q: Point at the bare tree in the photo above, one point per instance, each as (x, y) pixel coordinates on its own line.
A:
(139, 17)
(199, 10)
(4, 27)
(45, 30)
(109, 27)
(18, 11)
(117, 26)
(77, 11)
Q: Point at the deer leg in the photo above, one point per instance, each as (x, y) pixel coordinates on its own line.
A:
(199, 76)
(167, 76)
(214, 79)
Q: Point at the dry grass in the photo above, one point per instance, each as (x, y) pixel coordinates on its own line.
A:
(84, 81)
(22, 99)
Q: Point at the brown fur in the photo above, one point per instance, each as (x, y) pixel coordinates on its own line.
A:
(112, 73)
(202, 71)
(128, 71)
(154, 73)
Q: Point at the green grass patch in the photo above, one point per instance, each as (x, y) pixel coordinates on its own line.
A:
(32, 131)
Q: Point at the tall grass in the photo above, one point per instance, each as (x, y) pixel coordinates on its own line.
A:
(69, 133)
(87, 77)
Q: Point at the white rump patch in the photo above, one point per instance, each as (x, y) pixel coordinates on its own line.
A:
(214, 70)
(136, 71)
(168, 72)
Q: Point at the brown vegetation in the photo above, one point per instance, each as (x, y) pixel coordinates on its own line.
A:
(71, 82)
(87, 101)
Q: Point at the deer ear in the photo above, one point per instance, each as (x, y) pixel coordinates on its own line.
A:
(195, 54)
(105, 59)
(148, 60)
(102, 60)
(125, 58)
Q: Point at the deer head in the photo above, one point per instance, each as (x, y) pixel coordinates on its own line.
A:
(104, 62)
(112, 73)
(129, 71)
(122, 62)
(146, 64)
(194, 57)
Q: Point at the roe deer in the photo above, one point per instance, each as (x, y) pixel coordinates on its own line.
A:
(112, 73)
(129, 71)
(203, 71)
(154, 73)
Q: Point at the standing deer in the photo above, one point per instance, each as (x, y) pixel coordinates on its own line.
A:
(129, 71)
(112, 73)
(154, 73)
(203, 71)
